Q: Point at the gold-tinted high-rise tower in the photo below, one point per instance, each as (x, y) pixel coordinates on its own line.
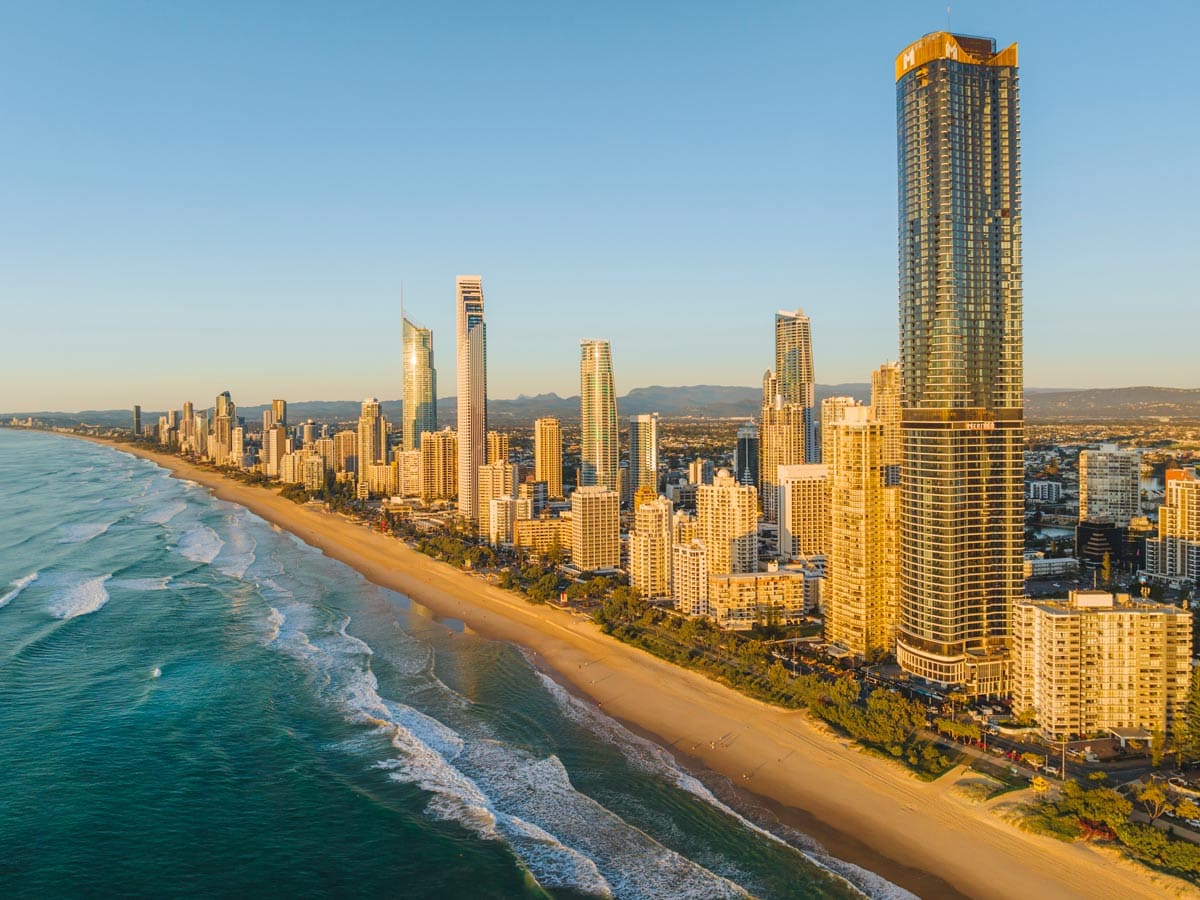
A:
(961, 358)
(598, 416)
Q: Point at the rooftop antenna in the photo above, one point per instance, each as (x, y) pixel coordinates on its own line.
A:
(947, 16)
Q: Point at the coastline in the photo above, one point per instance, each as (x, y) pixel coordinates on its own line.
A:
(925, 837)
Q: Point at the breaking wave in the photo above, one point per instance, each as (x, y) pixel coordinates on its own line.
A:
(82, 532)
(80, 598)
(200, 544)
(16, 587)
(648, 757)
(164, 514)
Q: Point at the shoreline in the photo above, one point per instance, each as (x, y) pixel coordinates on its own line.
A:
(923, 836)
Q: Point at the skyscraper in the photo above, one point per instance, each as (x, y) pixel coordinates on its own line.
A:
(650, 549)
(137, 420)
(223, 422)
(187, 426)
(885, 409)
(595, 528)
(497, 447)
(279, 408)
(803, 510)
(598, 416)
(495, 480)
(794, 371)
(643, 452)
(1175, 552)
(472, 392)
(745, 454)
(961, 358)
(439, 464)
(372, 438)
(782, 442)
(861, 572)
(547, 455)
(419, 394)
(1110, 484)
(727, 513)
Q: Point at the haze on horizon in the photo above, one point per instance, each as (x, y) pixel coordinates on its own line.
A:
(214, 198)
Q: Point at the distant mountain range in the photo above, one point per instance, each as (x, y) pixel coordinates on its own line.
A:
(714, 401)
(1131, 404)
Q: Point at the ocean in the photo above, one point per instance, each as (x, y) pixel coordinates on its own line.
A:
(195, 702)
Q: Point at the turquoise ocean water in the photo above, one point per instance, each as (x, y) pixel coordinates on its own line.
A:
(194, 702)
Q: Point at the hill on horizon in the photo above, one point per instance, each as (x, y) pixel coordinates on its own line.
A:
(1130, 404)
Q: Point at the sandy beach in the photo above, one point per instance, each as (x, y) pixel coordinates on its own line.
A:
(927, 837)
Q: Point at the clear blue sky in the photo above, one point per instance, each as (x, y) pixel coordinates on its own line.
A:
(209, 195)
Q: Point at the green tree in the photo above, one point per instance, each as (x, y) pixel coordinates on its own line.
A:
(1189, 728)
(545, 588)
(1100, 805)
(1152, 796)
(1187, 808)
(1158, 748)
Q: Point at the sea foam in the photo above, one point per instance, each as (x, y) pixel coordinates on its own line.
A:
(143, 584)
(200, 544)
(79, 598)
(82, 532)
(648, 757)
(164, 514)
(16, 587)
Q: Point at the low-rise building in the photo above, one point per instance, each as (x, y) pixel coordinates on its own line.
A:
(543, 534)
(742, 600)
(1038, 565)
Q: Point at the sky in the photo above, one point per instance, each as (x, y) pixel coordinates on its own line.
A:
(202, 196)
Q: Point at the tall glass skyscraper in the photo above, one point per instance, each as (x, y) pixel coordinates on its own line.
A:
(598, 416)
(795, 375)
(419, 397)
(472, 392)
(961, 358)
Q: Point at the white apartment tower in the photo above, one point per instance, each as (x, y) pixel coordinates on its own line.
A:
(727, 512)
(472, 392)
(650, 549)
(803, 510)
(1110, 484)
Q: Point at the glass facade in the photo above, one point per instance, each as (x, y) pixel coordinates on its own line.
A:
(598, 416)
(961, 358)
(419, 400)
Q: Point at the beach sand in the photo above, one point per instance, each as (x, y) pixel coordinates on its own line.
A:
(926, 837)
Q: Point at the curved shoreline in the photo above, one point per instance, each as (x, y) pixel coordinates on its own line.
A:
(864, 810)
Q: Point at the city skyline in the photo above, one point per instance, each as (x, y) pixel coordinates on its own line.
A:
(154, 233)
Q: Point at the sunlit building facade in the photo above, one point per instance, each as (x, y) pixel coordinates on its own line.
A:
(727, 519)
(547, 455)
(1097, 661)
(419, 397)
(598, 416)
(472, 392)
(961, 359)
